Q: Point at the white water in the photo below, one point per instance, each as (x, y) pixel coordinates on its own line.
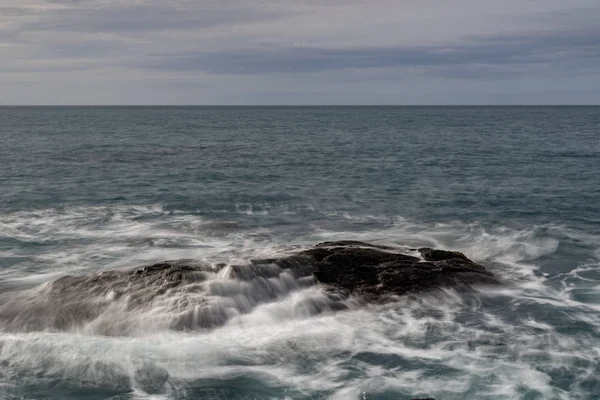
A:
(536, 337)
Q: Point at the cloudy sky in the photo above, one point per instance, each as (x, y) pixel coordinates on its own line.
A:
(299, 52)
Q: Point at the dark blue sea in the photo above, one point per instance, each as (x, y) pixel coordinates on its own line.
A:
(517, 189)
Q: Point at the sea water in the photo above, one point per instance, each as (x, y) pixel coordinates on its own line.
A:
(517, 189)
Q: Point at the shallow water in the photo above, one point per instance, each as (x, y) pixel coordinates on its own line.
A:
(515, 189)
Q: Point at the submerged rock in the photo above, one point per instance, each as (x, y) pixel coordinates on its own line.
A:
(189, 294)
(151, 378)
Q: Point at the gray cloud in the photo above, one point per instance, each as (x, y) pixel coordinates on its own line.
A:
(494, 52)
(231, 51)
(142, 18)
(14, 12)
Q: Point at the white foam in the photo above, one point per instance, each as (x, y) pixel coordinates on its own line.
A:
(490, 345)
(278, 345)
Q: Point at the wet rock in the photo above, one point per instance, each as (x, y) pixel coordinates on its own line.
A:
(70, 302)
(151, 378)
(190, 294)
(441, 255)
(352, 243)
(366, 269)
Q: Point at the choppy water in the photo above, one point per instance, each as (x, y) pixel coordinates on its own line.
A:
(516, 189)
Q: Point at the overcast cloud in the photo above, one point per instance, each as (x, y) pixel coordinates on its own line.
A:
(299, 52)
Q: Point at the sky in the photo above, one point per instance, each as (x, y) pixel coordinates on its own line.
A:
(226, 52)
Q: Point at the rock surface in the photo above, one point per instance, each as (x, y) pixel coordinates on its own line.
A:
(189, 294)
(372, 270)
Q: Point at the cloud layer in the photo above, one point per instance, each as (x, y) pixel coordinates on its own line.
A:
(299, 52)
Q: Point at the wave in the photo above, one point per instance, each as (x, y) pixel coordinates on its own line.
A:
(416, 346)
(538, 335)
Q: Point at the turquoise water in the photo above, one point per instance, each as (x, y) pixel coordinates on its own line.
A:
(515, 188)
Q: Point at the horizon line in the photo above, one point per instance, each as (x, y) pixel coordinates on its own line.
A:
(298, 105)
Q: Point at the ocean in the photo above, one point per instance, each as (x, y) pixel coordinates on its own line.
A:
(516, 189)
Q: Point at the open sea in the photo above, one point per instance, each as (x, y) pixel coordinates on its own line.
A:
(517, 189)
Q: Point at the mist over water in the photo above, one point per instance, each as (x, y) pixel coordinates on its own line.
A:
(94, 189)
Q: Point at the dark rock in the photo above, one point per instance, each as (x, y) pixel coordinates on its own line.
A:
(194, 295)
(351, 243)
(440, 255)
(365, 269)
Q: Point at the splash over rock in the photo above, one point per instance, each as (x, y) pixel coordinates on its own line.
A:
(191, 294)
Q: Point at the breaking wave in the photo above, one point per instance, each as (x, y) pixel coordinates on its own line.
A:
(538, 336)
